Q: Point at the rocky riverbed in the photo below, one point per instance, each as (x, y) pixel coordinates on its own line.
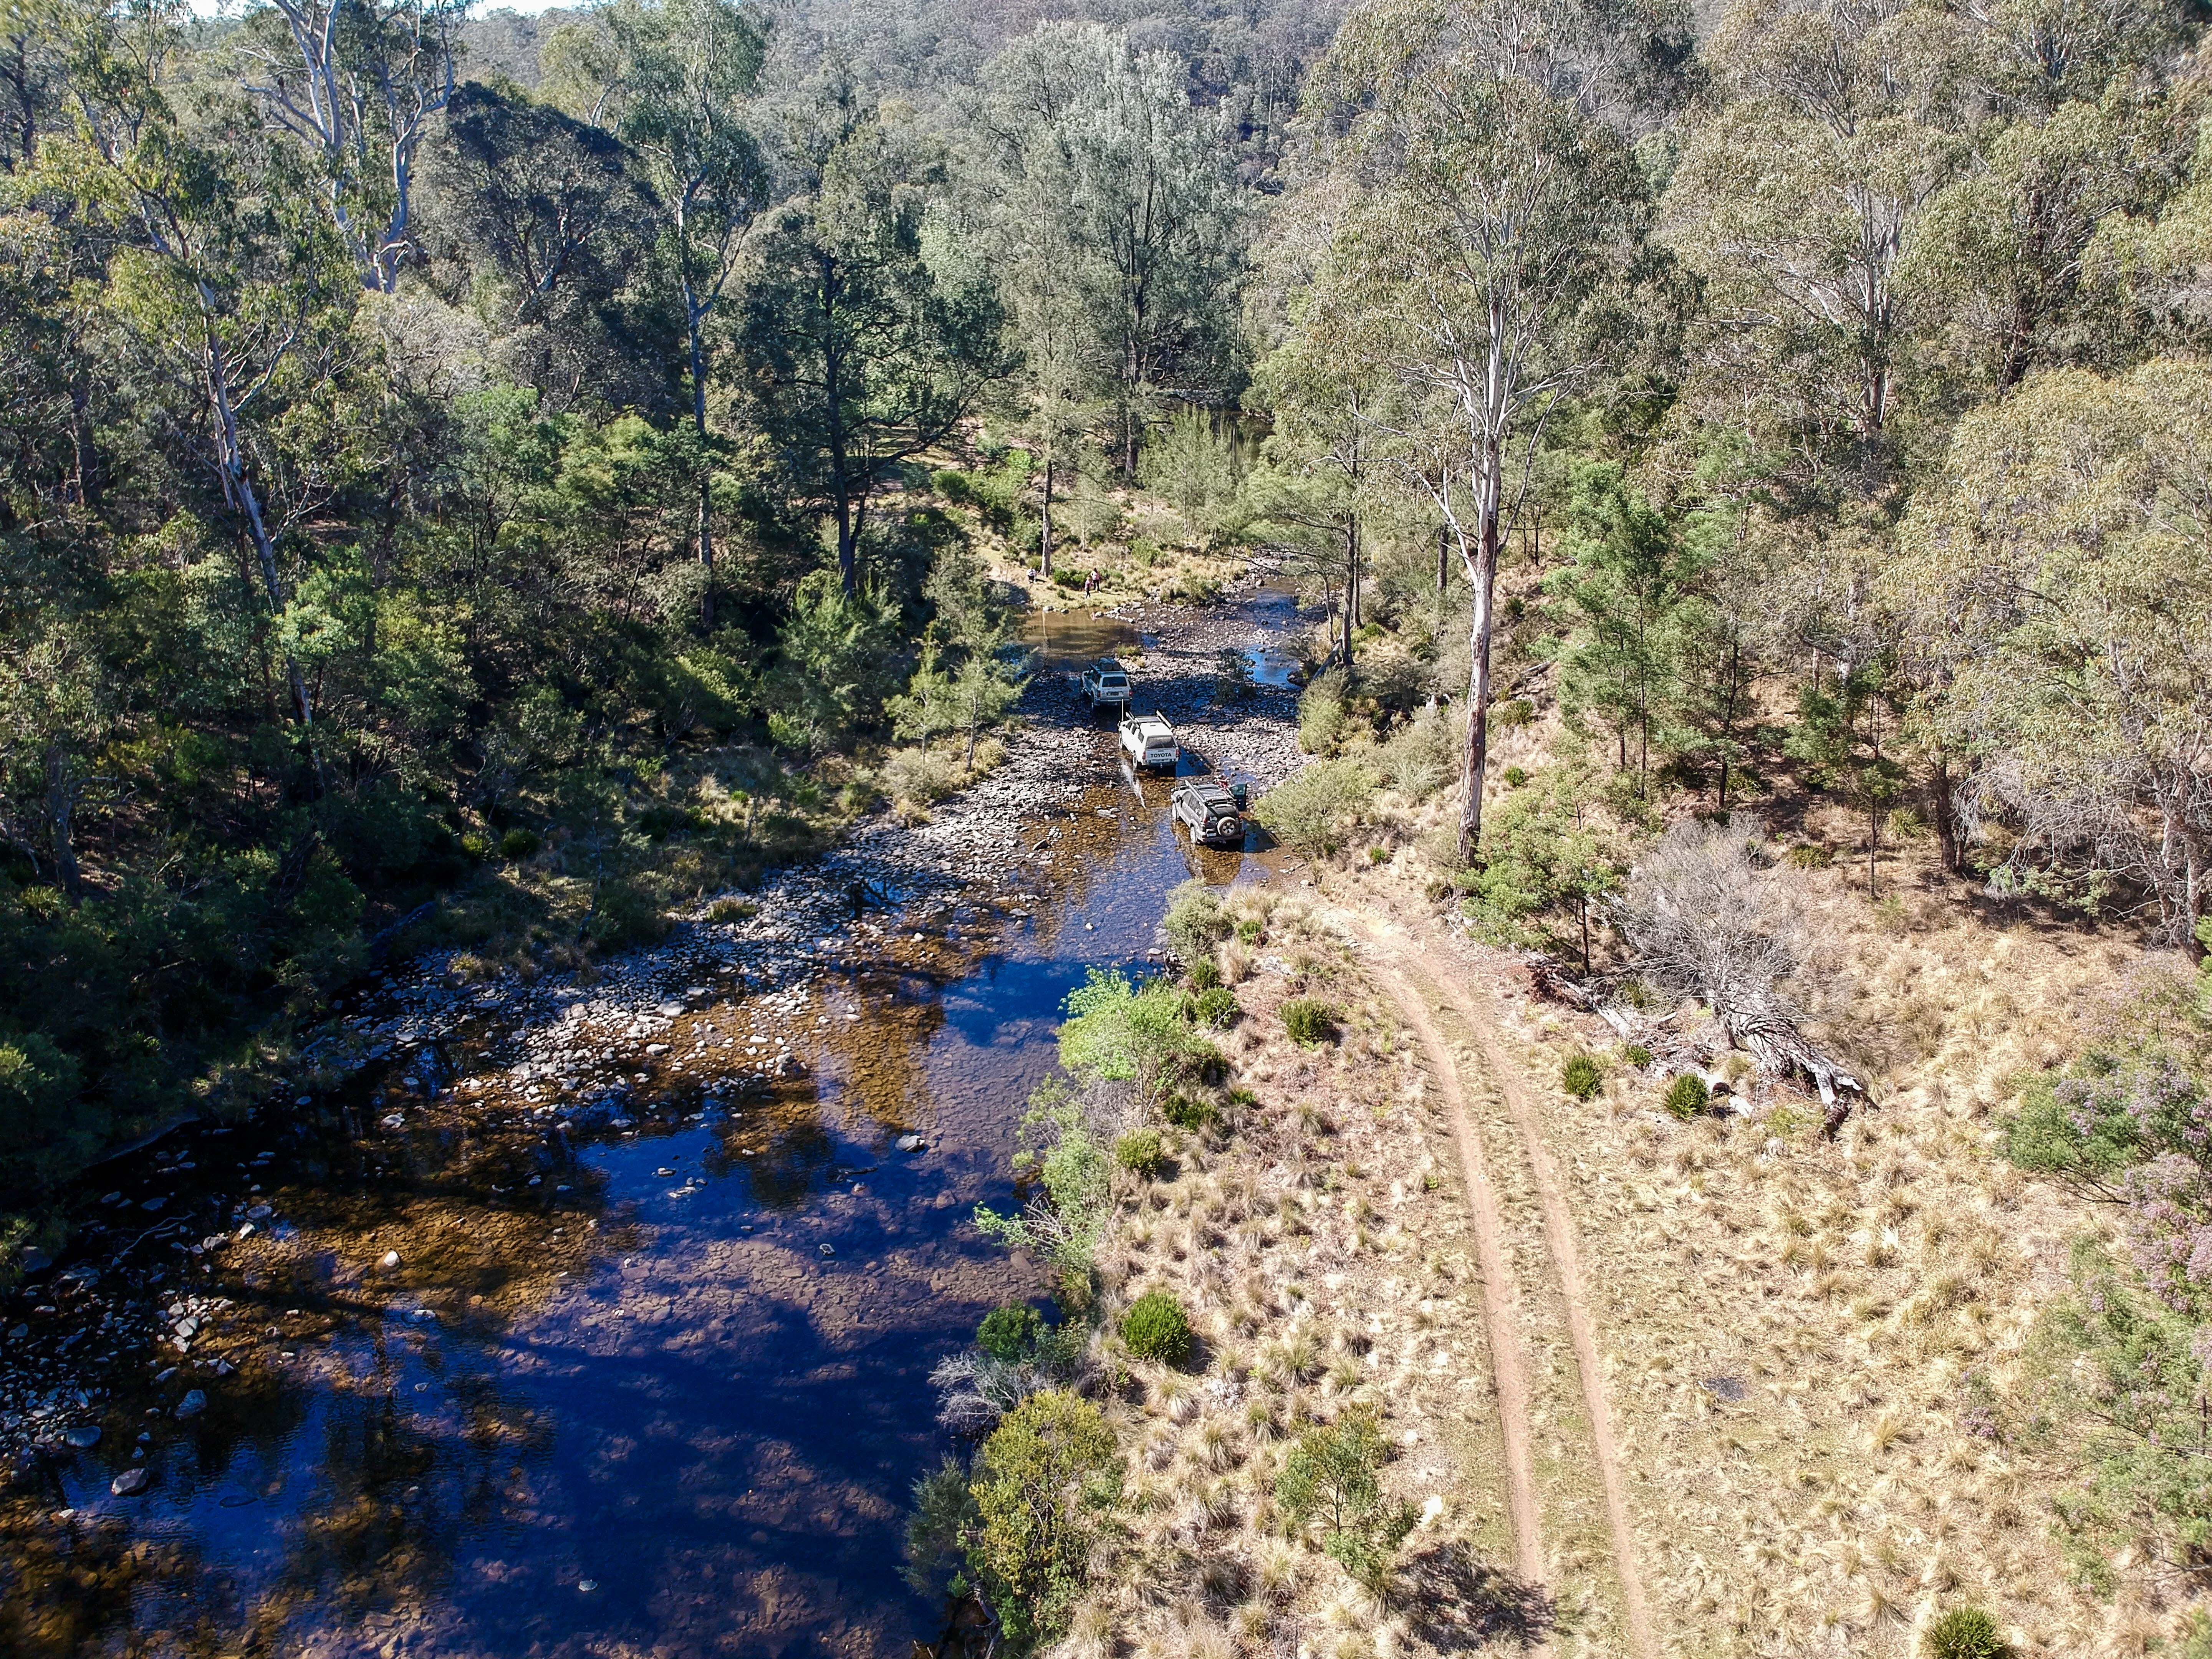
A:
(188, 1280)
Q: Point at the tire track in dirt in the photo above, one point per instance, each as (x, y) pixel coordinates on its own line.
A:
(1481, 1017)
(1501, 1295)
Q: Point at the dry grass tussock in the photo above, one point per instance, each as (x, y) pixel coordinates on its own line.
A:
(1794, 1328)
(1320, 1243)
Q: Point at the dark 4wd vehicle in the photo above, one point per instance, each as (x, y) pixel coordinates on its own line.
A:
(1212, 811)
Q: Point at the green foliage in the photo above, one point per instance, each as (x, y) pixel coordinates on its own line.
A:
(1217, 1008)
(2116, 1380)
(1205, 974)
(1010, 1333)
(1141, 1152)
(1310, 1021)
(1963, 1633)
(1189, 1111)
(1046, 1482)
(1315, 810)
(1687, 1096)
(944, 1516)
(1155, 1326)
(1840, 735)
(1062, 1227)
(1331, 1482)
(835, 656)
(1582, 1077)
(1630, 580)
(1323, 720)
(1194, 923)
(1123, 1032)
(1636, 1055)
(517, 845)
(1550, 851)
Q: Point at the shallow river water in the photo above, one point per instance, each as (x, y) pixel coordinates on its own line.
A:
(669, 1396)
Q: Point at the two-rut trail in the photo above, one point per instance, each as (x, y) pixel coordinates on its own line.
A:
(1392, 955)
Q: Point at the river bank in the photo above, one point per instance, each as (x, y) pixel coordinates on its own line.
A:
(752, 1147)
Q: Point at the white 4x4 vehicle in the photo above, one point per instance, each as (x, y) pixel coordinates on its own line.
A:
(1148, 740)
(1106, 683)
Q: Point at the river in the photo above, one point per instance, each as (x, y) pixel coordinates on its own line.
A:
(491, 1376)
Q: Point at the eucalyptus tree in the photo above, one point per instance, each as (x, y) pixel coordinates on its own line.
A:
(2056, 572)
(1325, 460)
(1797, 202)
(224, 296)
(360, 83)
(874, 331)
(1494, 211)
(1131, 196)
(676, 80)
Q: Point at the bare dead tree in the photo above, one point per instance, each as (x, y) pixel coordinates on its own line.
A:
(1705, 923)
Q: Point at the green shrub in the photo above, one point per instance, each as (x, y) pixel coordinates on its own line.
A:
(1581, 1076)
(1201, 1062)
(624, 915)
(730, 910)
(1189, 1111)
(1141, 1152)
(1422, 756)
(1636, 1055)
(1010, 1333)
(1965, 1633)
(1249, 929)
(1313, 810)
(476, 847)
(1687, 1096)
(1331, 1479)
(1126, 1032)
(1204, 975)
(1322, 717)
(1219, 1008)
(1157, 1328)
(1045, 1481)
(1814, 856)
(1194, 923)
(516, 845)
(1309, 1020)
(1515, 776)
(1511, 715)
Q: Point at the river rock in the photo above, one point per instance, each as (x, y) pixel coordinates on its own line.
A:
(130, 1482)
(193, 1403)
(912, 1144)
(390, 1260)
(84, 1436)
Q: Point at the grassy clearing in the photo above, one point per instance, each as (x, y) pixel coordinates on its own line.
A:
(1316, 1237)
(1796, 1330)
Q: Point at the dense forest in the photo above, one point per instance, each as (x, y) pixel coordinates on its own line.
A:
(475, 482)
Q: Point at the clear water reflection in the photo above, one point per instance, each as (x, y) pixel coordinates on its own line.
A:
(670, 1400)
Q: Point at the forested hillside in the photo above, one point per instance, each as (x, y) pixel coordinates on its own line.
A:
(478, 484)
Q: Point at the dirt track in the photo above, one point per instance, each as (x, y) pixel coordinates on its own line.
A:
(1421, 982)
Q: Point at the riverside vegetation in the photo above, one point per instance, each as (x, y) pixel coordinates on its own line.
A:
(1752, 464)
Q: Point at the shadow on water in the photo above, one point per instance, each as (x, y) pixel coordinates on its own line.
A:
(670, 1399)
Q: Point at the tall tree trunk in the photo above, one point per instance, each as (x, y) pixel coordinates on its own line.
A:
(1482, 579)
(1443, 555)
(696, 317)
(61, 812)
(1946, 814)
(1044, 523)
(239, 488)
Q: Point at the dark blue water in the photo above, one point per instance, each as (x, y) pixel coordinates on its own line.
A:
(669, 1413)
